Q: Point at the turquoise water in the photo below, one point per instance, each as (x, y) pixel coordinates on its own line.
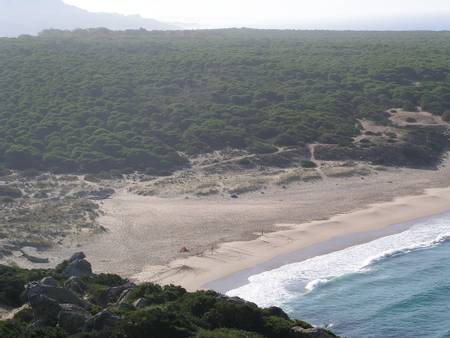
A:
(393, 287)
(407, 295)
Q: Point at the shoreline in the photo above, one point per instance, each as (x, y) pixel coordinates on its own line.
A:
(228, 266)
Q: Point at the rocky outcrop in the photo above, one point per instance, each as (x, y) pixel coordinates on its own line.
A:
(59, 294)
(77, 266)
(107, 305)
(72, 318)
(315, 332)
(115, 293)
(101, 320)
(45, 309)
(76, 285)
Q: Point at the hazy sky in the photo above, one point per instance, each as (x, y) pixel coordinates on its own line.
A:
(273, 13)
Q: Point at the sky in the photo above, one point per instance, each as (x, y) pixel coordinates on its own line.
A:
(312, 14)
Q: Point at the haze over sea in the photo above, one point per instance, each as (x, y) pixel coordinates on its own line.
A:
(396, 286)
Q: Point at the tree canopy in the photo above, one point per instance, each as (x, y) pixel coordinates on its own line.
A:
(91, 100)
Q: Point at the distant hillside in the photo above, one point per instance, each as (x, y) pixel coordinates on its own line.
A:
(32, 16)
(92, 100)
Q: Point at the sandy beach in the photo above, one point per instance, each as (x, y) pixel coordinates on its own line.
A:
(224, 235)
(184, 238)
(198, 272)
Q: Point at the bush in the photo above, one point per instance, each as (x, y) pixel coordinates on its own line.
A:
(10, 191)
(171, 312)
(17, 329)
(308, 164)
(12, 281)
(30, 173)
(446, 116)
(226, 333)
(157, 323)
(261, 148)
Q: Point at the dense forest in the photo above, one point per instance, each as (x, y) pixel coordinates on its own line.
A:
(91, 100)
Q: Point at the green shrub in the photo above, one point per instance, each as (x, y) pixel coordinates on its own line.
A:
(10, 191)
(308, 164)
(226, 333)
(12, 281)
(446, 116)
(157, 323)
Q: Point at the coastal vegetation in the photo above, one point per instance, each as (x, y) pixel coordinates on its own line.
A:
(96, 100)
(71, 301)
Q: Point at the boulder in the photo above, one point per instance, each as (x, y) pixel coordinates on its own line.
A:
(101, 320)
(49, 281)
(141, 303)
(315, 332)
(125, 297)
(77, 256)
(58, 294)
(75, 284)
(114, 293)
(45, 309)
(78, 268)
(72, 318)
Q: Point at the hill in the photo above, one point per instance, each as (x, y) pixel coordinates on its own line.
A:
(31, 17)
(94, 100)
(71, 301)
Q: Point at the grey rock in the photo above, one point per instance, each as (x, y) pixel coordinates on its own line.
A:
(78, 268)
(58, 294)
(72, 318)
(102, 320)
(315, 332)
(49, 281)
(34, 259)
(141, 303)
(114, 293)
(45, 309)
(124, 297)
(77, 256)
(75, 284)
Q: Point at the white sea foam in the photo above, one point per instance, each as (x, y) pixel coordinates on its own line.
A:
(278, 286)
(315, 283)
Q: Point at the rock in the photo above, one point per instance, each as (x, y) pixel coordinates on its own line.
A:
(78, 268)
(278, 312)
(141, 303)
(58, 294)
(45, 309)
(101, 320)
(99, 194)
(114, 293)
(72, 318)
(315, 332)
(49, 281)
(34, 259)
(234, 196)
(77, 256)
(124, 297)
(75, 284)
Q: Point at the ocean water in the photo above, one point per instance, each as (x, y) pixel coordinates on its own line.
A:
(393, 287)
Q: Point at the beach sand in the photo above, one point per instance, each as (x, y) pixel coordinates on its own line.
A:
(145, 235)
(198, 272)
(223, 235)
